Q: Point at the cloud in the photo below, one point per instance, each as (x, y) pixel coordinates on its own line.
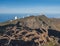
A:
(38, 9)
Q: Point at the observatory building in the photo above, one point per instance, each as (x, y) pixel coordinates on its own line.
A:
(16, 17)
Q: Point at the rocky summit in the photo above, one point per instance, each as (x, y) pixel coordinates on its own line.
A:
(30, 31)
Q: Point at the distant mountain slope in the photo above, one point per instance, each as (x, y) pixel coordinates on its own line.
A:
(56, 22)
(33, 22)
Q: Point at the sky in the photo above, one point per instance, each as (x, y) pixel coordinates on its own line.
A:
(30, 6)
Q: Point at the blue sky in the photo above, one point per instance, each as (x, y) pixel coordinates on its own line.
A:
(30, 6)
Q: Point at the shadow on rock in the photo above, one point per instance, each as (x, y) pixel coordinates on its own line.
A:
(54, 33)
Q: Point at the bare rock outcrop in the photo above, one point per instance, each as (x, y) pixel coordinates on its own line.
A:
(29, 31)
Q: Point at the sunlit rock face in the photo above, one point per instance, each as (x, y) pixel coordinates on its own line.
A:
(29, 31)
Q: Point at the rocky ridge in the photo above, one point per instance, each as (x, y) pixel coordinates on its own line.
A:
(29, 31)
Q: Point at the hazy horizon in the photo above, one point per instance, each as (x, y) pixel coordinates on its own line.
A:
(7, 17)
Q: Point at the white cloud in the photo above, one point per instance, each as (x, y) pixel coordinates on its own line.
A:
(42, 9)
